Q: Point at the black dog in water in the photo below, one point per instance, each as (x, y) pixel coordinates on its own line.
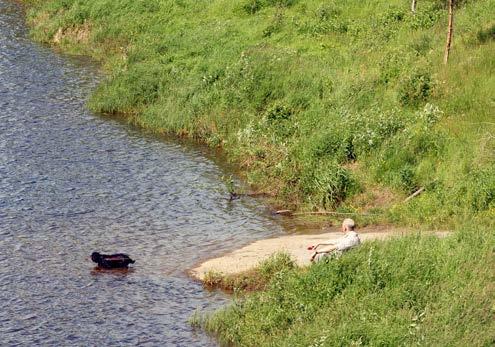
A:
(111, 261)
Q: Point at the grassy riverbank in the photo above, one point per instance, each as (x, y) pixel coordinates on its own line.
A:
(322, 104)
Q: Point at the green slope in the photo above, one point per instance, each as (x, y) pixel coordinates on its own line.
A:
(321, 103)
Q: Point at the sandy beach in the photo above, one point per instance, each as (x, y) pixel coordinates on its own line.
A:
(296, 245)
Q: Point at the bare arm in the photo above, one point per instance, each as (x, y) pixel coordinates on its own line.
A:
(323, 244)
(329, 247)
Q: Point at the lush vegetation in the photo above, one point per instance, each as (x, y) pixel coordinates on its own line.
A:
(254, 279)
(417, 290)
(324, 104)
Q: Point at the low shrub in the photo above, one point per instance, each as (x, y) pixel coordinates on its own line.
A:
(415, 88)
(327, 184)
(253, 6)
(486, 35)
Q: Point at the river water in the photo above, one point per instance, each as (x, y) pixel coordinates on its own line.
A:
(72, 182)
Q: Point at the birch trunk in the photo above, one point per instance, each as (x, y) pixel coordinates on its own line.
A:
(413, 6)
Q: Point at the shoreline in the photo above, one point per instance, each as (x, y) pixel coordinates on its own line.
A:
(250, 256)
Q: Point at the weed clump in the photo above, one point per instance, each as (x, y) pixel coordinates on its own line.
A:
(415, 88)
(256, 279)
(253, 6)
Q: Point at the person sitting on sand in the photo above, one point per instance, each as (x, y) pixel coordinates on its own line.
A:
(350, 240)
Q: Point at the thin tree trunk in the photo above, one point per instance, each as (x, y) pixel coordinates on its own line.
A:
(449, 32)
(413, 6)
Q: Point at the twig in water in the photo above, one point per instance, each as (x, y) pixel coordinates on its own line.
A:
(234, 196)
(229, 184)
(284, 212)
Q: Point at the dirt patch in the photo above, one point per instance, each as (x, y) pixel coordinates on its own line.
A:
(375, 197)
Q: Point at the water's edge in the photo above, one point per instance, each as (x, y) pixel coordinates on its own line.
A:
(72, 182)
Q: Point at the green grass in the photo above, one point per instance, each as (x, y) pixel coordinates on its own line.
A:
(417, 290)
(321, 104)
(341, 105)
(251, 280)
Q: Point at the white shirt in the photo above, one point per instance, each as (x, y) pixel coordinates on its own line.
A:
(351, 239)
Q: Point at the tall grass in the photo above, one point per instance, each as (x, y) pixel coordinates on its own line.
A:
(317, 101)
(253, 279)
(418, 290)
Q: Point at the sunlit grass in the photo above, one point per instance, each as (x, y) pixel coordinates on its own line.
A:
(295, 91)
(414, 290)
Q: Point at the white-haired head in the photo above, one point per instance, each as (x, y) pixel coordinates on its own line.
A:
(348, 224)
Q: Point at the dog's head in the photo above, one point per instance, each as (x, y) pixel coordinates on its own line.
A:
(96, 257)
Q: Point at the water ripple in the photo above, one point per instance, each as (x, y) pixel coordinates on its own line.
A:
(72, 183)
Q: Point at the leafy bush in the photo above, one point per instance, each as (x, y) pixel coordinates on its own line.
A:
(277, 113)
(426, 16)
(285, 3)
(327, 183)
(253, 6)
(326, 20)
(486, 35)
(374, 126)
(422, 46)
(415, 88)
(334, 143)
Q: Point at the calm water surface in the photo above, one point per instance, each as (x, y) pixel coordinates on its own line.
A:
(71, 183)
